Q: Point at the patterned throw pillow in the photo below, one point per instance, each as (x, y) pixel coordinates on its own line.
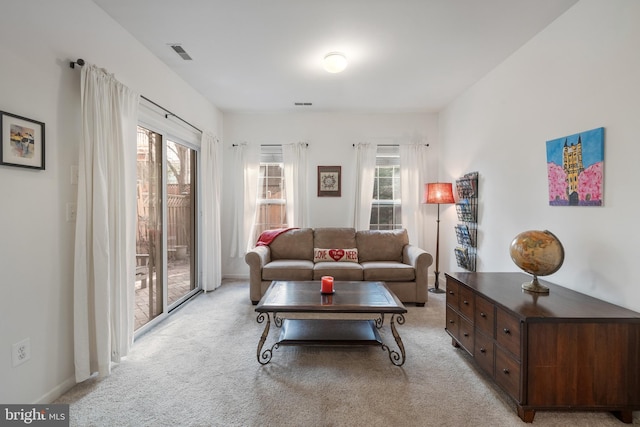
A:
(337, 255)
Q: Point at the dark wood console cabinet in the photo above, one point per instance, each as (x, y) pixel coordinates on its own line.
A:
(558, 351)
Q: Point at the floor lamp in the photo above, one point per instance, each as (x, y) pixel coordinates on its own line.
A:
(438, 193)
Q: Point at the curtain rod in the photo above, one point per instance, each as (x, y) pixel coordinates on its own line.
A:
(81, 62)
(391, 145)
(269, 145)
(169, 113)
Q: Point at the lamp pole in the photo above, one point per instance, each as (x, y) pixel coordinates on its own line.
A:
(438, 193)
(436, 289)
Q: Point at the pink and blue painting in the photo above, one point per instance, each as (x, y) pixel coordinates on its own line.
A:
(575, 169)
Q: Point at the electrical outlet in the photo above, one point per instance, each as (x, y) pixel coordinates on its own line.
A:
(21, 352)
(72, 209)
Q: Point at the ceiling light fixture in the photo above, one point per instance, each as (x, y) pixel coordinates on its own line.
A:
(335, 62)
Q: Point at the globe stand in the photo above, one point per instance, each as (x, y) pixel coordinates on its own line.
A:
(535, 286)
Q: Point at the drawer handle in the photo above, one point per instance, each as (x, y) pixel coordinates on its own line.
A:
(483, 350)
(506, 331)
(450, 292)
(451, 321)
(466, 334)
(465, 302)
(506, 371)
(483, 314)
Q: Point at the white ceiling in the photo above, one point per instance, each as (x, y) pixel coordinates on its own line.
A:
(265, 55)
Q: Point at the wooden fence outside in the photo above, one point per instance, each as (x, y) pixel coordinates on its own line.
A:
(179, 217)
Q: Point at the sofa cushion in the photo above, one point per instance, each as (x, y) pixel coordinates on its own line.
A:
(293, 244)
(335, 255)
(388, 271)
(334, 237)
(288, 269)
(381, 245)
(339, 270)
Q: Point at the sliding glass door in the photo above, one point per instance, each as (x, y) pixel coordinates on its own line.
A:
(149, 240)
(166, 244)
(181, 221)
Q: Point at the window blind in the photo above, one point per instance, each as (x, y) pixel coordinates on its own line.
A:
(271, 154)
(388, 155)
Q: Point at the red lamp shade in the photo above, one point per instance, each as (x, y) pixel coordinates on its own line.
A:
(438, 193)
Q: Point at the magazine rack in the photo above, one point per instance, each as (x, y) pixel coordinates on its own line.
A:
(467, 229)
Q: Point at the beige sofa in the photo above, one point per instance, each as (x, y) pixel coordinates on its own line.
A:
(381, 256)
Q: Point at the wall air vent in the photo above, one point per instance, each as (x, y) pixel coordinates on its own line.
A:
(303, 104)
(180, 51)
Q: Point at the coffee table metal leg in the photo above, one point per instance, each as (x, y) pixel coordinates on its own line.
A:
(277, 320)
(395, 357)
(380, 321)
(264, 357)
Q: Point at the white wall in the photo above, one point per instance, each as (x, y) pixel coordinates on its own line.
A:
(331, 137)
(39, 38)
(580, 73)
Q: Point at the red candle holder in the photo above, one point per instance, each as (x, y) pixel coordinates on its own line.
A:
(326, 285)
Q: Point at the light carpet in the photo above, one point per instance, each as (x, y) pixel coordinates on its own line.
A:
(199, 368)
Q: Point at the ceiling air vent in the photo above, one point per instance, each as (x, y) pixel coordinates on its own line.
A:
(303, 104)
(180, 51)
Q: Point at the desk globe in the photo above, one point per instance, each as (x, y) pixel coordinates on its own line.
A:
(539, 253)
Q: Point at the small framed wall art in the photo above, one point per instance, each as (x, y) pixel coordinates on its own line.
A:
(329, 181)
(22, 141)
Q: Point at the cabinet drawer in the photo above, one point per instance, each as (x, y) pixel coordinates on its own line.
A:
(508, 332)
(452, 293)
(465, 302)
(452, 322)
(508, 373)
(483, 352)
(466, 335)
(485, 317)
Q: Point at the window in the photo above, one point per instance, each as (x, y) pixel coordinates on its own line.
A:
(386, 206)
(271, 212)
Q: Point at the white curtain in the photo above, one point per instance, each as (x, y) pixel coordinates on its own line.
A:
(211, 150)
(365, 174)
(105, 246)
(413, 173)
(246, 166)
(295, 180)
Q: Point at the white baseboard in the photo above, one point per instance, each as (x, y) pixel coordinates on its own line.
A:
(57, 391)
(236, 276)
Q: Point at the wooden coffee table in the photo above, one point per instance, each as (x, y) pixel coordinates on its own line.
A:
(356, 298)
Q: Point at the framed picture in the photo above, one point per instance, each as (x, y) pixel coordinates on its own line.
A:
(575, 169)
(329, 181)
(22, 141)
